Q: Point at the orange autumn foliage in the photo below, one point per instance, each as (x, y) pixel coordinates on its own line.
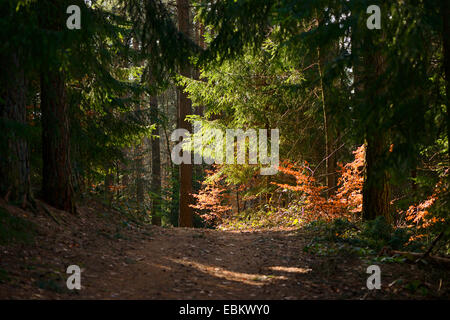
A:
(210, 200)
(312, 205)
(345, 203)
(351, 182)
(420, 215)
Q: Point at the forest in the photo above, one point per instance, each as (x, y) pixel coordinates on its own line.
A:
(224, 149)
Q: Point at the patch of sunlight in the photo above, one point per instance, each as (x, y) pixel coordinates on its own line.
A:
(160, 266)
(247, 278)
(290, 269)
(260, 230)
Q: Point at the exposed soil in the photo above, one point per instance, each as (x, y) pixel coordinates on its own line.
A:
(121, 260)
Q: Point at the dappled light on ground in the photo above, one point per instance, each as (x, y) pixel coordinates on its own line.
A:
(246, 278)
(290, 269)
(182, 263)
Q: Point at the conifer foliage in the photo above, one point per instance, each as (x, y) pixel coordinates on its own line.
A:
(362, 113)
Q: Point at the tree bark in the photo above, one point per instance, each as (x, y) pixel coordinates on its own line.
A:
(57, 188)
(376, 190)
(139, 165)
(156, 165)
(445, 13)
(368, 67)
(185, 218)
(139, 158)
(14, 162)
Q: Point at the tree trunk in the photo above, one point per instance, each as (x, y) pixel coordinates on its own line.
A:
(368, 67)
(57, 188)
(14, 161)
(324, 55)
(445, 13)
(185, 218)
(139, 158)
(376, 190)
(237, 200)
(156, 165)
(139, 165)
(330, 151)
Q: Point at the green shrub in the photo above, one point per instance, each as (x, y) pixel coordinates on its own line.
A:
(377, 229)
(362, 239)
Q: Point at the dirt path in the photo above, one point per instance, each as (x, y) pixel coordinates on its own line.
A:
(177, 263)
(206, 264)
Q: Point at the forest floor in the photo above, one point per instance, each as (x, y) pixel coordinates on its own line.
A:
(123, 260)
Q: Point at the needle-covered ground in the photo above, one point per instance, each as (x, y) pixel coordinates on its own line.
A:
(124, 260)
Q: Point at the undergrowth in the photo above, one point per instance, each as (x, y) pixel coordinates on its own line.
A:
(363, 239)
(15, 229)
